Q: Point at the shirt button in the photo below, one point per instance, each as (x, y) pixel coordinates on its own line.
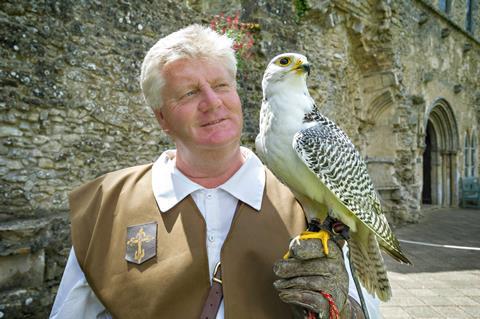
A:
(211, 238)
(209, 196)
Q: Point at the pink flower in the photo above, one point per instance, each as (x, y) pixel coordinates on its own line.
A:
(237, 31)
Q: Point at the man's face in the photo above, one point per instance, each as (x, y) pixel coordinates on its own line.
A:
(201, 105)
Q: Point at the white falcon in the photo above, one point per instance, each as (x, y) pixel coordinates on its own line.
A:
(318, 162)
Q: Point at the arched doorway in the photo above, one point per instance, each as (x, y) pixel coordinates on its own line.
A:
(440, 169)
(427, 164)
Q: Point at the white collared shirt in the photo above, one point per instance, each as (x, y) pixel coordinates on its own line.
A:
(75, 299)
(217, 205)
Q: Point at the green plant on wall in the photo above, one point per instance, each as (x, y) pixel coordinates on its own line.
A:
(301, 7)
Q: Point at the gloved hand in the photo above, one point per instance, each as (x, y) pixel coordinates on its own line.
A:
(307, 272)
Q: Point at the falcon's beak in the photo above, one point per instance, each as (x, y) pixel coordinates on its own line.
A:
(303, 67)
(306, 67)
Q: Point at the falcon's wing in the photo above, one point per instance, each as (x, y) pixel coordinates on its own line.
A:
(332, 157)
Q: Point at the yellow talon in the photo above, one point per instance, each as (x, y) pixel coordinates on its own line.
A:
(323, 235)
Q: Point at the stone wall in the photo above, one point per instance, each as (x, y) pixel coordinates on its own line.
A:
(440, 64)
(457, 12)
(72, 109)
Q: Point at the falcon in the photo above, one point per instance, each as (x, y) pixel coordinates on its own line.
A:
(319, 163)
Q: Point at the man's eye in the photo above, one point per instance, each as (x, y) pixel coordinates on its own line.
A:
(221, 85)
(189, 93)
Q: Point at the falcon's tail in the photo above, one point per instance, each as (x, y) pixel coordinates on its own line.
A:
(368, 264)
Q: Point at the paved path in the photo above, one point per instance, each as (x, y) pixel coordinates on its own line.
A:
(444, 281)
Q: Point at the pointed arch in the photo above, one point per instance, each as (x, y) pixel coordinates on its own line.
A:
(379, 105)
(442, 174)
(443, 121)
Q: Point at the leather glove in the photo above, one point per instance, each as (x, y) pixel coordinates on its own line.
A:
(307, 272)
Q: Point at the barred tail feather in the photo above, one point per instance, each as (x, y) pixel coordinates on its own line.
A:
(368, 263)
(383, 290)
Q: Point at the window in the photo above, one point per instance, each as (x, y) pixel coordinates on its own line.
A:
(444, 5)
(469, 17)
(473, 152)
(469, 152)
(466, 155)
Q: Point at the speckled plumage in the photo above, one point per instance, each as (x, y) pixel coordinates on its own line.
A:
(316, 159)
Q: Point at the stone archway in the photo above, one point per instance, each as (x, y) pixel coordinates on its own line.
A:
(440, 168)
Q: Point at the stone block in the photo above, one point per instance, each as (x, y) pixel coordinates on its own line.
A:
(467, 47)
(427, 77)
(436, 300)
(418, 99)
(451, 311)
(472, 292)
(457, 88)
(33, 117)
(472, 310)
(423, 18)
(423, 312)
(445, 32)
(22, 270)
(464, 301)
(421, 292)
(372, 83)
(25, 303)
(14, 165)
(394, 312)
(45, 163)
(6, 131)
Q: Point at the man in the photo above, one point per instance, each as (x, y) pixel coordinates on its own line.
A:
(147, 239)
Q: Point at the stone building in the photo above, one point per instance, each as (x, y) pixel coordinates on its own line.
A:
(400, 77)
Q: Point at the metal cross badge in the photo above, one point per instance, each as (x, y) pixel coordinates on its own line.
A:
(141, 242)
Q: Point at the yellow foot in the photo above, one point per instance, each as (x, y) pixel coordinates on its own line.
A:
(323, 235)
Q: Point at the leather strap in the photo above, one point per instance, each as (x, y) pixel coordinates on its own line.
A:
(215, 295)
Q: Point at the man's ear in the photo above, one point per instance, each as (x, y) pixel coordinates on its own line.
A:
(161, 120)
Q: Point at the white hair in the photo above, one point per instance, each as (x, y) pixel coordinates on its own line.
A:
(192, 42)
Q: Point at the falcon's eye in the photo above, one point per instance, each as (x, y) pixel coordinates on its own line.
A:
(284, 61)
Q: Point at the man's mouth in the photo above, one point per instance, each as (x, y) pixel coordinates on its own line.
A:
(212, 122)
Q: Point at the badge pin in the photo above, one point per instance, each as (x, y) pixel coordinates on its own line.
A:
(141, 242)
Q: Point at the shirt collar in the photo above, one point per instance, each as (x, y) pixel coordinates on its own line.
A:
(248, 183)
(170, 186)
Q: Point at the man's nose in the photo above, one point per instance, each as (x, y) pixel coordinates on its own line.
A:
(210, 99)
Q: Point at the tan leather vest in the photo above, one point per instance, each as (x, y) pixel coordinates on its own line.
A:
(175, 282)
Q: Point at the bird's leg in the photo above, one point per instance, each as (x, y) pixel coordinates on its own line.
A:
(323, 235)
(323, 231)
(316, 230)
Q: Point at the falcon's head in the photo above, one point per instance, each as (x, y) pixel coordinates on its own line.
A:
(286, 68)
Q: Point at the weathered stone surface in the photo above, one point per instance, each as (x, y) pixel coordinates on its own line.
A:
(24, 269)
(72, 109)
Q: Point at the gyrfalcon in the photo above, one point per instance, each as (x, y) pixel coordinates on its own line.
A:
(321, 166)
